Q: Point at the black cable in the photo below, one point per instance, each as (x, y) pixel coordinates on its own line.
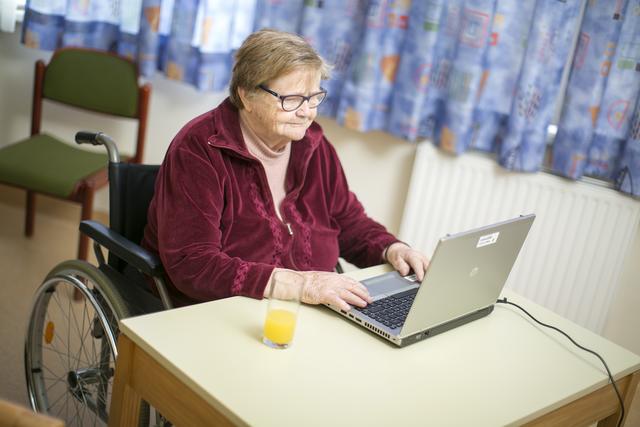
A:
(613, 383)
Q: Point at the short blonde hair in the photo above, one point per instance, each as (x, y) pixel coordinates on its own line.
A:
(268, 54)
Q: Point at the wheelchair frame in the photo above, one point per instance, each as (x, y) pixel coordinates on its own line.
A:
(70, 346)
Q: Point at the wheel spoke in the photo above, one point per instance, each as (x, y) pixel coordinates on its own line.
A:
(62, 310)
(68, 321)
(70, 345)
(69, 310)
(55, 350)
(82, 338)
(62, 396)
(54, 381)
(76, 409)
(81, 334)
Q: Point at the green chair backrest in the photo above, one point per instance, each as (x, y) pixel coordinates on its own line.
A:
(94, 80)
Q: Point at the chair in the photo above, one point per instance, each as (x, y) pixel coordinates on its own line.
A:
(90, 80)
(70, 347)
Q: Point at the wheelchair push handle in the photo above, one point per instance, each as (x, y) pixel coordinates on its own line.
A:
(99, 138)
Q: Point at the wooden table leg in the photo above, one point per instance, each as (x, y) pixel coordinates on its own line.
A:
(627, 391)
(125, 401)
(600, 406)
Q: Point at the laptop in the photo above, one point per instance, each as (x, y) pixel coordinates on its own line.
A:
(463, 281)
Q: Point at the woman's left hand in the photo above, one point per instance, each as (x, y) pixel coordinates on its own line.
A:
(404, 259)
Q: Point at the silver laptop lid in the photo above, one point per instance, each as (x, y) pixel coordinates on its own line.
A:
(467, 273)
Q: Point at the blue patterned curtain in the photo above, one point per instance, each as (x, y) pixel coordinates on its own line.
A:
(482, 74)
(599, 131)
(189, 40)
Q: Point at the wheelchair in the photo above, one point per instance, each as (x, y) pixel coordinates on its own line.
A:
(70, 347)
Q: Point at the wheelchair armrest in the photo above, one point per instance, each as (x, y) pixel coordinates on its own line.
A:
(130, 252)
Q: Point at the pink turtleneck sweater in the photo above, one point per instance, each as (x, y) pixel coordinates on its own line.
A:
(275, 166)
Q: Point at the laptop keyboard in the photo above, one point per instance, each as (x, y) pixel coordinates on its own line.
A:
(391, 311)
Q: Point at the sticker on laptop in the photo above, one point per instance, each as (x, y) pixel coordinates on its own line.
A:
(488, 239)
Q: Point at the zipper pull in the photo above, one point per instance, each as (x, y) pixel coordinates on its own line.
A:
(289, 229)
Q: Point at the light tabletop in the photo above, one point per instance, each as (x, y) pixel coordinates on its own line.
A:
(500, 370)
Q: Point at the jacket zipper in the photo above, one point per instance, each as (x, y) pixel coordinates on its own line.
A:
(282, 219)
(290, 251)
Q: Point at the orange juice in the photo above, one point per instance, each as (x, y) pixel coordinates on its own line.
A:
(279, 326)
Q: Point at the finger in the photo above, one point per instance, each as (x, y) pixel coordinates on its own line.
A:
(361, 291)
(339, 302)
(402, 266)
(419, 269)
(353, 299)
(425, 264)
(415, 260)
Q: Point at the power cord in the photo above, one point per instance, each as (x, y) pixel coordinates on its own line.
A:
(613, 383)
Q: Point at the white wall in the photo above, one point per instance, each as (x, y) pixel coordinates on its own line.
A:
(377, 165)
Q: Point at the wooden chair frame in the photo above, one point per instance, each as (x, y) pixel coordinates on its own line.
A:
(85, 189)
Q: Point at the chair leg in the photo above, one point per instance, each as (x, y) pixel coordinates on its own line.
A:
(83, 243)
(30, 213)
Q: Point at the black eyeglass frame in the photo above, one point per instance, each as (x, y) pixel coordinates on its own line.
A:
(304, 98)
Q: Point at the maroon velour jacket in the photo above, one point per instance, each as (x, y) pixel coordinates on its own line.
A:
(213, 222)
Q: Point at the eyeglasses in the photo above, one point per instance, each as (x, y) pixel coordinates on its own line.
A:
(293, 102)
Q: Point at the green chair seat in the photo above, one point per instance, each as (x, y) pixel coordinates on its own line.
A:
(47, 165)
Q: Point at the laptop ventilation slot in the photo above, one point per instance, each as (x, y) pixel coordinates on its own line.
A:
(378, 330)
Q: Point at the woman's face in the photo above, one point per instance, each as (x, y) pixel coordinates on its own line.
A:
(264, 114)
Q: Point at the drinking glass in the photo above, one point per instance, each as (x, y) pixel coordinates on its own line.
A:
(282, 310)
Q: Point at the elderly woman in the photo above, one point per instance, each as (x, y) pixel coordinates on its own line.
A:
(253, 187)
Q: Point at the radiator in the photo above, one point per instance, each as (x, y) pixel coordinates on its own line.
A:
(573, 257)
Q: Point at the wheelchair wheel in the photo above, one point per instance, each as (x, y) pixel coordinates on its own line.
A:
(70, 348)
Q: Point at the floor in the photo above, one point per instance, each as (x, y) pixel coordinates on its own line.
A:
(24, 262)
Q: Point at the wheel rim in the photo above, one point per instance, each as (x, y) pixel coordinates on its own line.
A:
(70, 351)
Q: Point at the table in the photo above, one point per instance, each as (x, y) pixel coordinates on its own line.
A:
(205, 365)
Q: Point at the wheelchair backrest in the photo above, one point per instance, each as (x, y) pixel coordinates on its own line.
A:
(131, 188)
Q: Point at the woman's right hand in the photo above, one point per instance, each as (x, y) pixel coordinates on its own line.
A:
(323, 287)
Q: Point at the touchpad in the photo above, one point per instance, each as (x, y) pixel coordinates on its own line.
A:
(385, 283)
